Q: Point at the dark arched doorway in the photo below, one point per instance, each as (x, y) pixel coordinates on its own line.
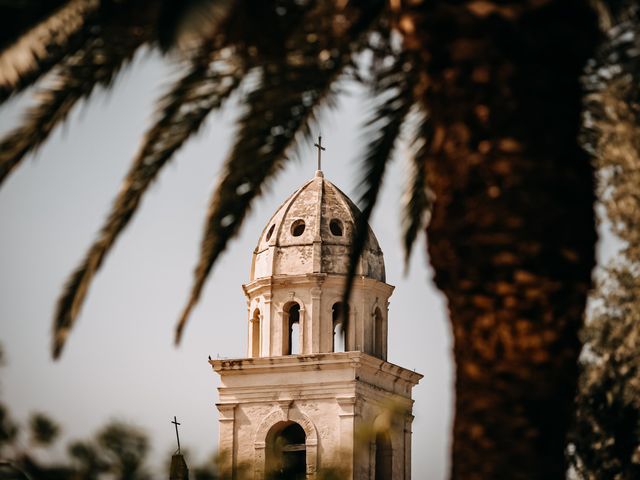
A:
(384, 457)
(286, 451)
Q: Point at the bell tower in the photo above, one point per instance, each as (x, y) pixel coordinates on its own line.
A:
(312, 395)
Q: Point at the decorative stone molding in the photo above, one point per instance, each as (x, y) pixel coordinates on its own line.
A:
(227, 411)
(315, 292)
(348, 406)
(285, 405)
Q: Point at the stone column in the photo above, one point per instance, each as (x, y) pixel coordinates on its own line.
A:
(408, 422)
(385, 331)
(265, 327)
(347, 423)
(314, 320)
(226, 442)
(304, 329)
(259, 460)
(250, 324)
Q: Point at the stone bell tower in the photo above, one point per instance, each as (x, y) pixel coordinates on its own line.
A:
(310, 396)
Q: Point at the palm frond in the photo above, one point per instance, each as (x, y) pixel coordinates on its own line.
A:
(181, 112)
(417, 200)
(288, 97)
(95, 64)
(281, 109)
(44, 45)
(394, 97)
(188, 23)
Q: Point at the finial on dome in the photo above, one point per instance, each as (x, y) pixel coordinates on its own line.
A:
(320, 150)
(319, 174)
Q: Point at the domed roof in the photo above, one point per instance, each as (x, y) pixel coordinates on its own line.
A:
(311, 232)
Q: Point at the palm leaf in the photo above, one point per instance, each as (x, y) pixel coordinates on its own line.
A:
(418, 199)
(259, 152)
(18, 17)
(95, 64)
(394, 97)
(281, 109)
(44, 45)
(180, 114)
(187, 23)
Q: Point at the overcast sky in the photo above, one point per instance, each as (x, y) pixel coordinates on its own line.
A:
(119, 361)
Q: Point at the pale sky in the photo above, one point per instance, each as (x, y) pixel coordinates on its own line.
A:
(119, 361)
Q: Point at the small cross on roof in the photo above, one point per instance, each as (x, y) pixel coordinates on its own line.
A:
(175, 422)
(320, 150)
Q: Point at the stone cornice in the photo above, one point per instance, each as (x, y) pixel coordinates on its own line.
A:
(319, 361)
(266, 284)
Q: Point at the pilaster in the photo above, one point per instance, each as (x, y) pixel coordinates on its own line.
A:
(314, 327)
(266, 326)
(408, 422)
(226, 442)
(347, 423)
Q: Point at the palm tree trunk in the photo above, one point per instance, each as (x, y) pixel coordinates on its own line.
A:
(512, 234)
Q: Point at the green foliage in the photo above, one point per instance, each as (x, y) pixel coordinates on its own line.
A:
(43, 429)
(8, 428)
(125, 448)
(86, 460)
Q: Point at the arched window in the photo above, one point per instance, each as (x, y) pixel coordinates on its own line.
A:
(384, 457)
(292, 326)
(286, 452)
(255, 333)
(338, 315)
(378, 334)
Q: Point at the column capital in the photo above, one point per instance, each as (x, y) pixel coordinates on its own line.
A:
(227, 411)
(348, 406)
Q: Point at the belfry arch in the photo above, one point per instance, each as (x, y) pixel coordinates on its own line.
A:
(339, 313)
(291, 328)
(379, 333)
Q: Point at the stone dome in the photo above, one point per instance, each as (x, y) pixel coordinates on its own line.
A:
(311, 232)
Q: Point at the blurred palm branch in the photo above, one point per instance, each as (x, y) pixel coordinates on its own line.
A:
(298, 50)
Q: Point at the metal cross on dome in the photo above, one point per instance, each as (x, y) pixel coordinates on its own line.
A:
(175, 422)
(320, 150)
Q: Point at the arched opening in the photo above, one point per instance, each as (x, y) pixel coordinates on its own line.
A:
(338, 314)
(378, 334)
(297, 228)
(292, 329)
(335, 226)
(384, 457)
(286, 452)
(270, 232)
(255, 333)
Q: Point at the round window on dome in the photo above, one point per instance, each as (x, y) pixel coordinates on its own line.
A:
(297, 228)
(335, 226)
(270, 232)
